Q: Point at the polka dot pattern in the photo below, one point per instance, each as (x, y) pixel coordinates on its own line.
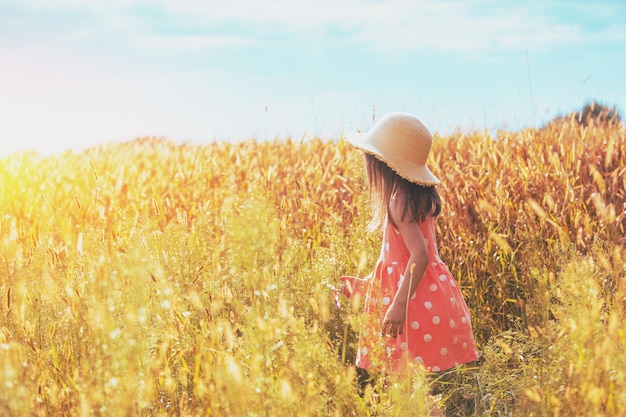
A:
(437, 332)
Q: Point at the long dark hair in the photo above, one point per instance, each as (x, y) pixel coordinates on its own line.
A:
(384, 183)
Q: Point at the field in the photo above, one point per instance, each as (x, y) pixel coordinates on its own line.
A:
(153, 279)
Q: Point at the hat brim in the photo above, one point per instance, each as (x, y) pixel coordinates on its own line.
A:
(418, 174)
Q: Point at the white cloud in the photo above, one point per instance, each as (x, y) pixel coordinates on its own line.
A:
(446, 25)
(191, 42)
(294, 15)
(615, 33)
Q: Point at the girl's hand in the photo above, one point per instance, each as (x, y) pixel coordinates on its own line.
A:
(393, 323)
(353, 286)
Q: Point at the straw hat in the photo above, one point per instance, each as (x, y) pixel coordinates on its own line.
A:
(401, 141)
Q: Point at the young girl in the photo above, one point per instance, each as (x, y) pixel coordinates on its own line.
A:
(414, 310)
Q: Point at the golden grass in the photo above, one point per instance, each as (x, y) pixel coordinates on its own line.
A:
(150, 279)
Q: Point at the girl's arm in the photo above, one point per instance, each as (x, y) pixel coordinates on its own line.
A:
(353, 286)
(418, 260)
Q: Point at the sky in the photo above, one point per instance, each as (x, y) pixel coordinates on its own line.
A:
(80, 73)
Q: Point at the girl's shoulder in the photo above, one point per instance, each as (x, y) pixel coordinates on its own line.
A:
(398, 198)
(396, 207)
(400, 206)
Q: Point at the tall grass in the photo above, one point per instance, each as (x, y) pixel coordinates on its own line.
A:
(149, 278)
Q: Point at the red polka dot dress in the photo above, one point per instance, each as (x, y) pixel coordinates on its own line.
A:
(437, 331)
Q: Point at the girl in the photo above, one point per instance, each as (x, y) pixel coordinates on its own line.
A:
(414, 310)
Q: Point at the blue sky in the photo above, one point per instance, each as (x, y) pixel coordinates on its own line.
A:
(75, 73)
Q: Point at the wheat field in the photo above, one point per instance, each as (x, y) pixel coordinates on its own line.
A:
(157, 279)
